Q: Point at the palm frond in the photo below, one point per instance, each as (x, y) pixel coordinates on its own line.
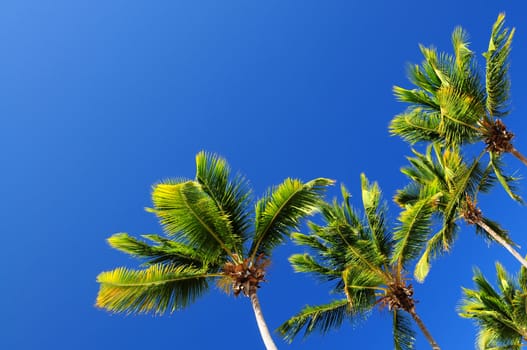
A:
(403, 333)
(497, 68)
(306, 263)
(188, 214)
(507, 182)
(164, 251)
(158, 289)
(320, 318)
(232, 196)
(375, 210)
(500, 315)
(417, 125)
(436, 245)
(413, 231)
(281, 209)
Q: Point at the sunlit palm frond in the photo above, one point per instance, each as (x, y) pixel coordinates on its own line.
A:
(497, 68)
(417, 125)
(500, 314)
(413, 231)
(507, 182)
(306, 263)
(320, 318)
(279, 212)
(190, 215)
(161, 250)
(158, 289)
(376, 211)
(231, 195)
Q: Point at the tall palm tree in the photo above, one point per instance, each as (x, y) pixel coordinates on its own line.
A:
(500, 314)
(207, 222)
(366, 265)
(452, 103)
(442, 173)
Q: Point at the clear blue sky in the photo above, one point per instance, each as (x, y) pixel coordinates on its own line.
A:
(101, 99)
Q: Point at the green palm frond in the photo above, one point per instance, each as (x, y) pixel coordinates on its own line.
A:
(161, 250)
(320, 318)
(158, 289)
(451, 101)
(417, 125)
(403, 333)
(232, 196)
(507, 182)
(497, 68)
(412, 234)
(191, 216)
(375, 211)
(281, 209)
(306, 263)
(439, 243)
(500, 314)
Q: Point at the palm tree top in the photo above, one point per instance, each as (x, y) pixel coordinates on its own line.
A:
(210, 233)
(365, 263)
(500, 314)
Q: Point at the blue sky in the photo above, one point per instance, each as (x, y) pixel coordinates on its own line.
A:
(101, 99)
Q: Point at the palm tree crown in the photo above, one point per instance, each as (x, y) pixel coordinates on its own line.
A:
(452, 103)
(500, 314)
(443, 181)
(210, 234)
(366, 266)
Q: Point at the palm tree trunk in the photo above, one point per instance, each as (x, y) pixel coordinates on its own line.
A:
(518, 155)
(262, 326)
(501, 241)
(423, 328)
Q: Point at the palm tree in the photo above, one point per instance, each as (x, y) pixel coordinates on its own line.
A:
(442, 174)
(207, 222)
(367, 267)
(453, 104)
(500, 314)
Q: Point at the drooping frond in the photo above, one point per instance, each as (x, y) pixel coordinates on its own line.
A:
(403, 333)
(190, 215)
(320, 318)
(281, 209)
(413, 231)
(507, 182)
(497, 68)
(232, 196)
(439, 243)
(162, 250)
(158, 289)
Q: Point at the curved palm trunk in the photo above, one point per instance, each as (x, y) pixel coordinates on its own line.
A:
(423, 328)
(518, 155)
(501, 241)
(262, 326)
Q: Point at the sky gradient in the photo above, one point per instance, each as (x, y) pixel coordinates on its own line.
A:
(101, 99)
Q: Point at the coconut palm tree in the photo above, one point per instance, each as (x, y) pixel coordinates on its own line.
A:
(441, 173)
(364, 263)
(500, 314)
(210, 235)
(452, 103)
